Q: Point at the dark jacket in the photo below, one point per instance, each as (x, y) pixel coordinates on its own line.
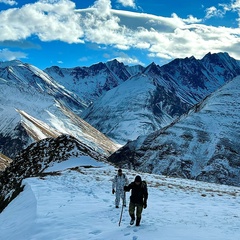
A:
(139, 193)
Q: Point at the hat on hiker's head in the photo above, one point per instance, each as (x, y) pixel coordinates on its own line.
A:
(138, 179)
(119, 170)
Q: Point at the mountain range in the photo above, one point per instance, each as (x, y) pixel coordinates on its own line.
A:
(180, 119)
(128, 102)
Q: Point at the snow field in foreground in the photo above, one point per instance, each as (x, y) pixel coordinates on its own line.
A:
(77, 204)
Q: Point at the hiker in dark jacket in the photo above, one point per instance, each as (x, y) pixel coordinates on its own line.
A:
(138, 198)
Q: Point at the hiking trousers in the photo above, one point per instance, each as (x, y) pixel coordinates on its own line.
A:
(132, 207)
(122, 195)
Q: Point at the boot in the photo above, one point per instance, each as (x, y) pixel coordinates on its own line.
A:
(138, 221)
(132, 219)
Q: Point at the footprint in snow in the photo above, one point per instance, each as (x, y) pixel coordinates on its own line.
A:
(96, 232)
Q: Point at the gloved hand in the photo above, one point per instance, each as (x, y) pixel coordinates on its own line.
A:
(125, 188)
(113, 191)
(145, 205)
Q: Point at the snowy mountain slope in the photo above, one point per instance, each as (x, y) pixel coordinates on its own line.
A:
(13, 137)
(70, 124)
(29, 114)
(136, 107)
(77, 203)
(30, 77)
(91, 82)
(201, 145)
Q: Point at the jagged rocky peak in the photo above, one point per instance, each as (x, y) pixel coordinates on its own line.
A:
(114, 63)
(229, 66)
(216, 57)
(119, 69)
(96, 68)
(201, 145)
(152, 68)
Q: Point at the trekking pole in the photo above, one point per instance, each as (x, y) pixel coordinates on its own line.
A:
(121, 210)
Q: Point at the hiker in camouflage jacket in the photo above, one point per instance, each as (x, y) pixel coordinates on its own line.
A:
(119, 181)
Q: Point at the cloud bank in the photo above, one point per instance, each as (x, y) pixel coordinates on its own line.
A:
(162, 37)
(8, 2)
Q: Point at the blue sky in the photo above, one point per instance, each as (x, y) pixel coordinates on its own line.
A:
(83, 32)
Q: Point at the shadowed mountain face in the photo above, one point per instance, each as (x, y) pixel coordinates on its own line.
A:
(202, 144)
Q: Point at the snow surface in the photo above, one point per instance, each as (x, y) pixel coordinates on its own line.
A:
(77, 204)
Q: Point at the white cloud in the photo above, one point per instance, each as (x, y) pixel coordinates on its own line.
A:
(7, 55)
(8, 2)
(57, 21)
(214, 12)
(102, 7)
(235, 5)
(130, 61)
(222, 9)
(127, 3)
(192, 19)
(126, 59)
(161, 37)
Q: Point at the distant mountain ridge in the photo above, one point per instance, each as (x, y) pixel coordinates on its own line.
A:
(120, 101)
(89, 83)
(156, 96)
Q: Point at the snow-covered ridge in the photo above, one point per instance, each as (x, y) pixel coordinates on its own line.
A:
(36, 158)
